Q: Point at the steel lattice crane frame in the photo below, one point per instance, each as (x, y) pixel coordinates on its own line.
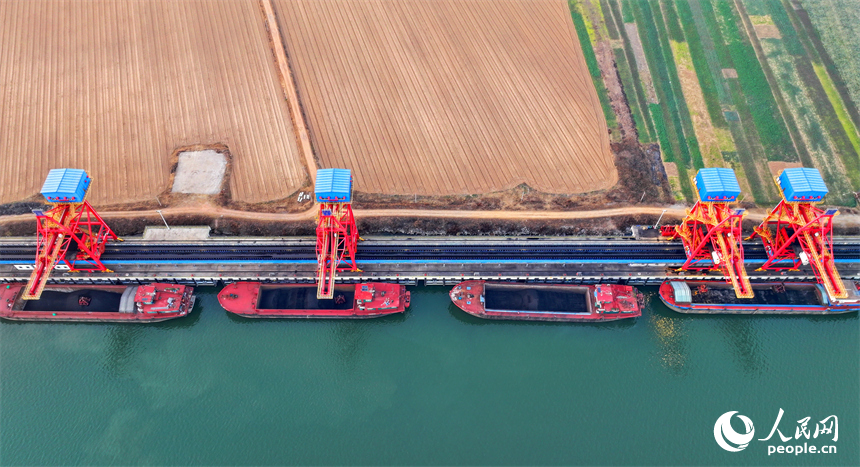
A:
(711, 234)
(56, 229)
(337, 240)
(811, 229)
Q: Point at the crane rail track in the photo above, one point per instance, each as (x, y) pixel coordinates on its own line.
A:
(438, 251)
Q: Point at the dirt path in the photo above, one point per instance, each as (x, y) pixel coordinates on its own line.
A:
(214, 211)
(611, 79)
(672, 214)
(289, 86)
(202, 210)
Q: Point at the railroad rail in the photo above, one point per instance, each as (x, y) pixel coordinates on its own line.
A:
(411, 250)
(408, 260)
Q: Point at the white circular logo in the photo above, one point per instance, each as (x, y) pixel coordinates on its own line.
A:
(728, 438)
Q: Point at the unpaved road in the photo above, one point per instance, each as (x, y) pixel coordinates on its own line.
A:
(849, 220)
(214, 211)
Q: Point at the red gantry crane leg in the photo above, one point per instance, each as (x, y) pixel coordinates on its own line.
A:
(337, 234)
(72, 219)
(711, 231)
(796, 232)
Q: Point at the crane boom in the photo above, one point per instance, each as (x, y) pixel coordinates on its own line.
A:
(797, 233)
(711, 230)
(337, 234)
(71, 219)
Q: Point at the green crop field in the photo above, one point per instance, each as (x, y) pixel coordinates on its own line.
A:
(748, 84)
(586, 37)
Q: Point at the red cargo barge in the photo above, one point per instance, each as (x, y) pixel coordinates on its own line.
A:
(548, 302)
(257, 300)
(771, 298)
(98, 303)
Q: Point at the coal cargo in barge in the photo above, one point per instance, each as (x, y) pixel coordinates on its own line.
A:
(770, 298)
(548, 302)
(98, 303)
(257, 300)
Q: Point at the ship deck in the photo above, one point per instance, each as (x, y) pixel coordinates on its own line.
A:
(792, 295)
(61, 304)
(536, 299)
(528, 302)
(304, 298)
(779, 298)
(256, 300)
(100, 301)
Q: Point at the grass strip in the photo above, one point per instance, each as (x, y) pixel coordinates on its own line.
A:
(780, 18)
(627, 11)
(609, 20)
(700, 63)
(636, 88)
(667, 122)
(682, 112)
(750, 149)
(591, 63)
(720, 49)
(632, 99)
(807, 31)
(846, 141)
(756, 89)
(829, 120)
(801, 151)
(670, 17)
(838, 106)
(743, 130)
(666, 147)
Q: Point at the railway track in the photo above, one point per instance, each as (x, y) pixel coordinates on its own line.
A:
(415, 250)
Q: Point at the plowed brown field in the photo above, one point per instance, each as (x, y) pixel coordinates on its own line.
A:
(115, 87)
(448, 96)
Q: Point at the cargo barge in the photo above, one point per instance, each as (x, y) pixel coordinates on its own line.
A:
(547, 302)
(98, 303)
(257, 300)
(776, 298)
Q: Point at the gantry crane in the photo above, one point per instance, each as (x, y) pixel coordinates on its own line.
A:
(797, 232)
(711, 231)
(71, 219)
(337, 234)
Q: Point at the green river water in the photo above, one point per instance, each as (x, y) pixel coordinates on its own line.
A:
(432, 386)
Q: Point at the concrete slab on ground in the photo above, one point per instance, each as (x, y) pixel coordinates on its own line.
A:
(200, 172)
(194, 232)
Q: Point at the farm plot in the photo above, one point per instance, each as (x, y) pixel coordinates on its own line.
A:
(825, 132)
(814, 135)
(116, 87)
(837, 22)
(448, 97)
(741, 83)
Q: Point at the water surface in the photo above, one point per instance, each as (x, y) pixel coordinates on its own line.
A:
(433, 386)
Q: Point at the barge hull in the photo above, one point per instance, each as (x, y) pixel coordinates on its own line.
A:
(570, 318)
(668, 296)
(555, 302)
(755, 311)
(357, 301)
(138, 302)
(77, 318)
(292, 315)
